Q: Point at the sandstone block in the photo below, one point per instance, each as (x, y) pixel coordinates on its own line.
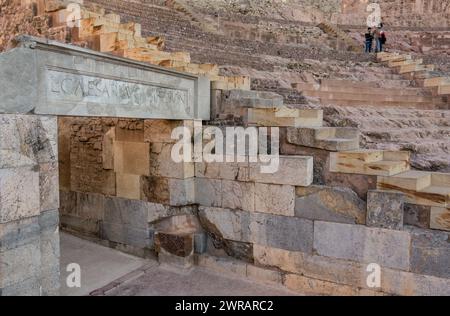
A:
(292, 170)
(385, 209)
(275, 199)
(128, 186)
(162, 164)
(289, 233)
(440, 218)
(363, 244)
(317, 287)
(160, 131)
(411, 284)
(238, 171)
(238, 195)
(132, 158)
(332, 204)
(19, 193)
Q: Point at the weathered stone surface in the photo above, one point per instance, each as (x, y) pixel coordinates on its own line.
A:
(163, 165)
(222, 265)
(50, 253)
(317, 287)
(56, 65)
(237, 171)
(333, 204)
(48, 186)
(275, 199)
(238, 195)
(282, 232)
(160, 131)
(208, 192)
(180, 245)
(363, 244)
(440, 218)
(128, 186)
(19, 193)
(225, 223)
(132, 158)
(182, 191)
(292, 170)
(264, 275)
(128, 235)
(411, 284)
(430, 252)
(417, 215)
(385, 209)
(155, 190)
(126, 212)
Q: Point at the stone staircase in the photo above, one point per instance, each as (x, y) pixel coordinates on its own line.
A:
(414, 69)
(357, 93)
(342, 39)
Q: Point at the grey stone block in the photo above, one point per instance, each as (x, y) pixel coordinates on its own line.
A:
(19, 233)
(128, 235)
(430, 252)
(289, 233)
(29, 287)
(331, 204)
(89, 227)
(388, 248)
(385, 209)
(50, 281)
(208, 192)
(417, 215)
(225, 223)
(124, 212)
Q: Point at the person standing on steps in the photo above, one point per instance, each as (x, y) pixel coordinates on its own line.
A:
(369, 40)
(380, 37)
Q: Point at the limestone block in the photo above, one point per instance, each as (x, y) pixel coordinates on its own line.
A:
(126, 235)
(385, 209)
(333, 204)
(292, 170)
(238, 195)
(430, 252)
(160, 131)
(238, 171)
(310, 286)
(264, 275)
(440, 218)
(132, 158)
(128, 186)
(224, 266)
(208, 192)
(133, 133)
(411, 284)
(126, 212)
(49, 186)
(225, 223)
(83, 205)
(275, 199)
(182, 191)
(282, 232)
(163, 165)
(387, 248)
(19, 193)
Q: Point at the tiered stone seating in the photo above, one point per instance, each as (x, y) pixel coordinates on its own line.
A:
(339, 35)
(414, 69)
(353, 93)
(105, 33)
(370, 162)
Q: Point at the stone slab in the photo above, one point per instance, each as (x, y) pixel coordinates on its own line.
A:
(385, 209)
(388, 248)
(60, 79)
(275, 199)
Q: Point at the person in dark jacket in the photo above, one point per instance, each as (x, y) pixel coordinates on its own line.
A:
(369, 40)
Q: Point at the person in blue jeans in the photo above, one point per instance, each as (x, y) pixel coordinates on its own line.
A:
(380, 37)
(369, 40)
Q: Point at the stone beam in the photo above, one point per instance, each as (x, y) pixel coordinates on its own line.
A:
(47, 77)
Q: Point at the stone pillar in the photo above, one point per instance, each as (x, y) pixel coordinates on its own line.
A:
(29, 202)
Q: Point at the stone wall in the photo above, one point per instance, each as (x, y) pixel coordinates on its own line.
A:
(29, 202)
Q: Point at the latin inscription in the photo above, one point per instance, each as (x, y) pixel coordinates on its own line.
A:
(128, 95)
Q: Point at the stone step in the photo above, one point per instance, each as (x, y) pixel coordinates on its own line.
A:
(435, 81)
(370, 162)
(444, 89)
(385, 57)
(347, 87)
(375, 103)
(251, 99)
(420, 187)
(406, 62)
(328, 138)
(344, 96)
(284, 117)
